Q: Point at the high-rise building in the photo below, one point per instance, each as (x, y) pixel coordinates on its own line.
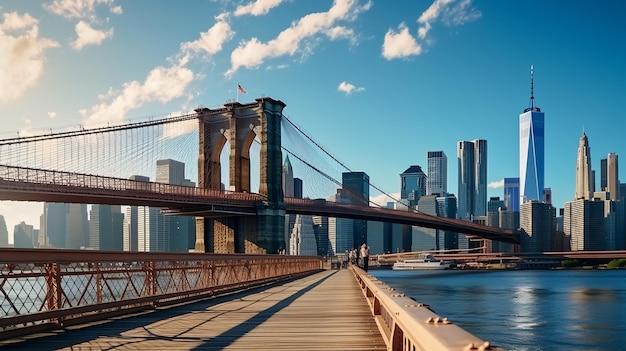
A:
(413, 185)
(24, 236)
(149, 237)
(297, 188)
(437, 180)
(64, 226)
(288, 191)
(538, 226)
(531, 149)
(54, 225)
(603, 171)
(179, 230)
(356, 188)
(170, 172)
(511, 194)
(472, 161)
(583, 222)
(612, 176)
(4, 233)
(288, 188)
(427, 238)
(106, 228)
(584, 185)
(302, 241)
(341, 230)
(131, 221)
(320, 228)
(447, 208)
(77, 226)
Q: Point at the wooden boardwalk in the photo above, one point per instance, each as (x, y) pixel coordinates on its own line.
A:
(324, 311)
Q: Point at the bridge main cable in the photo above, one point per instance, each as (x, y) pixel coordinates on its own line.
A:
(332, 157)
(83, 131)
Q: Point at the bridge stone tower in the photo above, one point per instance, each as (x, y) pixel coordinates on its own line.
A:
(240, 124)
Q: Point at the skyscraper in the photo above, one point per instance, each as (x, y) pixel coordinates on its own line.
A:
(448, 208)
(54, 225)
(178, 229)
(538, 226)
(106, 228)
(584, 181)
(612, 176)
(437, 180)
(583, 221)
(356, 186)
(413, 185)
(76, 227)
(288, 187)
(511, 194)
(472, 161)
(302, 241)
(23, 236)
(603, 175)
(4, 233)
(531, 150)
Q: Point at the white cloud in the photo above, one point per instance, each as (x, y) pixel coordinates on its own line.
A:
(162, 84)
(212, 40)
(52, 115)
(116, 10)
(348, 88)
(452, 13)
(79, 8)
(253, 52)
(401, 44)
(497, 184)
(460, 14)
(382, 199)
(257, 8)
(87, 35)
(340, 32)
(430, 15)
(21, 54)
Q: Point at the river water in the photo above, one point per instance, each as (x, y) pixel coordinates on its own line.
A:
(525, 309)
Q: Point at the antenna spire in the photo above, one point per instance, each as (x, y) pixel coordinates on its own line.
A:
(532, 88)
(532, 106)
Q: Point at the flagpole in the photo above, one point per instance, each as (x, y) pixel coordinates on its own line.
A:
(237, 92)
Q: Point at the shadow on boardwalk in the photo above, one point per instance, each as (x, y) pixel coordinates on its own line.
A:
(322, 311)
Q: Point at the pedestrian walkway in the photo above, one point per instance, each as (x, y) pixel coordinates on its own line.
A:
(324, 311)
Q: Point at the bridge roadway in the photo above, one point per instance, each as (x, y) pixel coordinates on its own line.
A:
(25, 184)
(324, 311)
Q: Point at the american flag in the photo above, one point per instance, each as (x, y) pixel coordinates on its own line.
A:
(241, 89)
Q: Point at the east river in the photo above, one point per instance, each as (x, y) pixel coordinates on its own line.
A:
(525, 309)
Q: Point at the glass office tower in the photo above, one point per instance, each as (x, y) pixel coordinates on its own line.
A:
(531, 150)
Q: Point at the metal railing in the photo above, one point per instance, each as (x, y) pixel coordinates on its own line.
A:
(408, 325)
(44, 289)
(50, 181)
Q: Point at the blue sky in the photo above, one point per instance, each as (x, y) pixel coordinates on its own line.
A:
(378, 83)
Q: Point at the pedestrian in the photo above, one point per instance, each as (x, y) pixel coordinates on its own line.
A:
(365, 256)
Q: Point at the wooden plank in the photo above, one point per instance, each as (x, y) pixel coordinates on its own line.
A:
(320, 312)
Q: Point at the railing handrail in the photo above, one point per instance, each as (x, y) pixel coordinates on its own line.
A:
(408, 325)
(42, 289)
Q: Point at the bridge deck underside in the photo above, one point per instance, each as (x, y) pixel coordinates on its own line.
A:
(320, 312)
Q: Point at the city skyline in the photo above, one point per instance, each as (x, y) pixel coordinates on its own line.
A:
(406, 77)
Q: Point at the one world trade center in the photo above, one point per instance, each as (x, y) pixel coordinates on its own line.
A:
(531, 150)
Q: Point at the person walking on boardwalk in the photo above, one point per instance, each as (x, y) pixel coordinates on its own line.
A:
(365, 256)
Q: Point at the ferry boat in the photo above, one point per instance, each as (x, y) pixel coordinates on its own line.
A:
(423, 261)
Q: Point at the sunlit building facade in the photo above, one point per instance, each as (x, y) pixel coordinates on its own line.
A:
(472, 168)
(531, 151)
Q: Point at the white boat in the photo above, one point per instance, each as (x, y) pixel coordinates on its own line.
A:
(423, 261)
